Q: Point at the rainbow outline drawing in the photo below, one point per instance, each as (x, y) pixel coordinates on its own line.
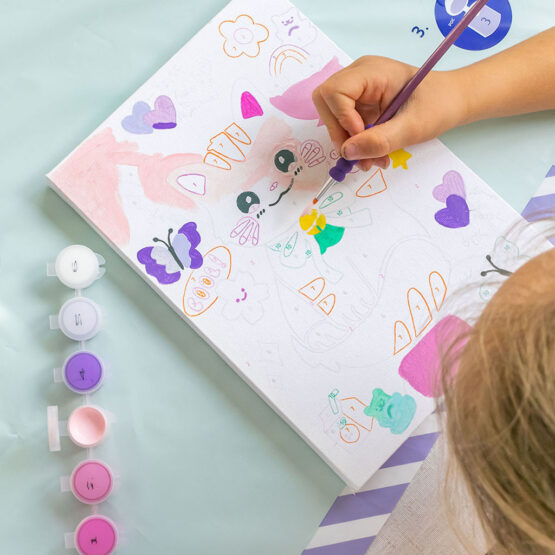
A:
(283, 53)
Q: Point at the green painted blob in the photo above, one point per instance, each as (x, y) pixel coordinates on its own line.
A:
(329, 236)
(391, 411)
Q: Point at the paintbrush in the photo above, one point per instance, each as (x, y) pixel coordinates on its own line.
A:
(338, 173)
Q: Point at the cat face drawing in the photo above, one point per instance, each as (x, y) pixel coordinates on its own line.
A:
(288, 165)
(292, 28)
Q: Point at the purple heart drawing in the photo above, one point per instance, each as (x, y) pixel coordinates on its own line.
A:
(455, 214)
(163, 115)
(452, 184)
(135, 123)
(249, 106)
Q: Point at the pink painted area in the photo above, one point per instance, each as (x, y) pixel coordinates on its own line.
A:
(91, 481)
(273, 135)
(250, 107)
(296, 101)
(87, 426)
(96, 535)
(89, 178)
(422, 365)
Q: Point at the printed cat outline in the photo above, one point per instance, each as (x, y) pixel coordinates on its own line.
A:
(292, 27)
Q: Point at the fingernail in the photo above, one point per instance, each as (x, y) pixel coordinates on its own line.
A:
(350, 152)
(381, 164)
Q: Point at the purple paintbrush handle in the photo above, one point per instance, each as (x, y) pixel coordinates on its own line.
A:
(343, 167)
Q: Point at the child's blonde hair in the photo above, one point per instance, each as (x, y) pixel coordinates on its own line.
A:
(500, 411)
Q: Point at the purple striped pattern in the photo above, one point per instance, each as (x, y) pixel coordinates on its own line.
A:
(374, 502)
(415, 448)
(382, 500)
(352, 547)
(364, 504)
(540, 207)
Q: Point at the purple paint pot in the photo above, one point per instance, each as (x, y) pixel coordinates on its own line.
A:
(83, 372)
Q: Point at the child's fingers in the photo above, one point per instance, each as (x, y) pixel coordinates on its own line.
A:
(369, 163)
(379, 141)
(382, 162)
(340, 93)
(365, 165)
(337, 134)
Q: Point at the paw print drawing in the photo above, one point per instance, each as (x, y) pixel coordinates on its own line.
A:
(242, 36)
(242, 298)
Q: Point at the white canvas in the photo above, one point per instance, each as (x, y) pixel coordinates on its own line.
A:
(223, 146)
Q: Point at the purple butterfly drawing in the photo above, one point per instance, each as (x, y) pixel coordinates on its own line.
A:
(166, 262)
(452, 192)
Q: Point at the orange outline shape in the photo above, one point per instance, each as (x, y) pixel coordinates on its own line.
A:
(395, 349)
(367, 185)
(301, 289)
(226, 144)
(237, 133)
(323, 302)
(440, 304)
(215, 163)
(258, 42)
(341, 433)
(202, 270)
(352, 419)
(416, 332)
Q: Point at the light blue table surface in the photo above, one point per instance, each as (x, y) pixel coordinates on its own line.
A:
(206, 466)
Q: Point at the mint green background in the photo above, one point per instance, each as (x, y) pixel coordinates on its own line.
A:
(206, 466)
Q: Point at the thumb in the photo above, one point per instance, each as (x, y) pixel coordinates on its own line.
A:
(380, 140)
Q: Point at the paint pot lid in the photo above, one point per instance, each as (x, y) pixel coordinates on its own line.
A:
(78, 266)
(80, 319)
(83, 372)
(96, 535)
(455, 7)
(53, 427)
(87, 426)
(91, 481)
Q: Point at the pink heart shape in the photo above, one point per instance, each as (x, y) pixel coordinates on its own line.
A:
(452, 184)
(163, 115)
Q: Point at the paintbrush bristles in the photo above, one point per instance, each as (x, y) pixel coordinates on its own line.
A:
(330, 182)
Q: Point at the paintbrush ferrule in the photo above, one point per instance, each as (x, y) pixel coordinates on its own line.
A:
(330, 182)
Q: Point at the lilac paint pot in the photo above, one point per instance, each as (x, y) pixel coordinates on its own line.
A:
(79, 319)
(83, 372)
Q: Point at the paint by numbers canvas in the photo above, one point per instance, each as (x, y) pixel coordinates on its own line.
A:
(199, 180)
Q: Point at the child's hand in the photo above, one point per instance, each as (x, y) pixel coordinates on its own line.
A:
(358, 94)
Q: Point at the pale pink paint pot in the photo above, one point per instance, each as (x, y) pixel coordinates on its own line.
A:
(87, 426)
